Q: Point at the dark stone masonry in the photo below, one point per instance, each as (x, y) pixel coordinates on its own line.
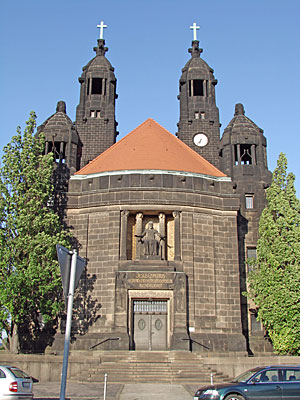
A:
(165, 247)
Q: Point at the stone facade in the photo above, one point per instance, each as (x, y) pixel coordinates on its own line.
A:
(200, 280)
(165, 250)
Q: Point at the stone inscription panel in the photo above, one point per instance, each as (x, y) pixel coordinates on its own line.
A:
(150, 280)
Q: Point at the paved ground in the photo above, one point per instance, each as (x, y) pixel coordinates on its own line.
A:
(147, 391)
(94, 391)
(76, 391)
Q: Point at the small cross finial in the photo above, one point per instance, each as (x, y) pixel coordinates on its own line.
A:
(101, 26)
(194, 27)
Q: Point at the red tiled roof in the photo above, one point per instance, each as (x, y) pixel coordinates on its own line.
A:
(150, 147)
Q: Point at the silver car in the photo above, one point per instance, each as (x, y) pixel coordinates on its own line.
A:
(15, 384)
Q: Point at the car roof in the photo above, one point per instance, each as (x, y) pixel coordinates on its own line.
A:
(9, 367)
(282, 366)
(260, 368)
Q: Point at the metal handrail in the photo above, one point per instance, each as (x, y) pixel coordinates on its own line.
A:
(103, 341)
(194, 341)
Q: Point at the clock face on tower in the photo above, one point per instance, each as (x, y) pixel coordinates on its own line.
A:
(200, 139)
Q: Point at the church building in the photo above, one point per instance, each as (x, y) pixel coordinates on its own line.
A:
(166, 230)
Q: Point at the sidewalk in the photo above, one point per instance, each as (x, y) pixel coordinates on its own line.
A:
(76, 391)
(149, 391)
(94, 391)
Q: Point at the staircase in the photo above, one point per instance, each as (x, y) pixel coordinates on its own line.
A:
(178, 367)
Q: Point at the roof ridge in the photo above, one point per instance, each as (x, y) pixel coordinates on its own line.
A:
(171, 154)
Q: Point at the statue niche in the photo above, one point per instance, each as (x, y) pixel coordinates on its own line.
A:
(152, 243)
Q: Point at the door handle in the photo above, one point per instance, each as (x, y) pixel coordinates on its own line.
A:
(278, 387)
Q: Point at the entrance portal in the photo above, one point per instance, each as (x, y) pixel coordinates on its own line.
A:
(150, 324)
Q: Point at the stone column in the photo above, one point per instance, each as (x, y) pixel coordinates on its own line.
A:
(177, 242)
(253, 155)
(192, 87)
(238, 152)
(162, 231)
(123, 235)
(61, 151)
(138, 231)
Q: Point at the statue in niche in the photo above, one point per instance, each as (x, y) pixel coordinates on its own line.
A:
(151, 241)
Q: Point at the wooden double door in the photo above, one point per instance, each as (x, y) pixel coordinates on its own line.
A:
(150, 324)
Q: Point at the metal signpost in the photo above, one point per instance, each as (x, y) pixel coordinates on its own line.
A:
(71, 267)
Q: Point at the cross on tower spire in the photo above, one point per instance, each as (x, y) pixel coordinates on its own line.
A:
(101, 26)
(194, 27)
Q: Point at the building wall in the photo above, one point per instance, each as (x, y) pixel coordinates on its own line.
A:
(205, 276)
(211, 262)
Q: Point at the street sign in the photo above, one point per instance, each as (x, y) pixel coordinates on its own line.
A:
(64, 258)
(71, 267)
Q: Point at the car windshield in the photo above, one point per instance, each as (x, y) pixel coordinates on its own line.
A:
(245, 376)
(18, 373)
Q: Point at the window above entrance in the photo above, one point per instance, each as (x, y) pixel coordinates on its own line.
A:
(146, 306)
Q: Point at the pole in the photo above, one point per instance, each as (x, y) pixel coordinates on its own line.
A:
(105, 383)
(68, 326)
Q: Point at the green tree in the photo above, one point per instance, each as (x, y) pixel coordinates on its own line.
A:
(30, 283)
(274, 283)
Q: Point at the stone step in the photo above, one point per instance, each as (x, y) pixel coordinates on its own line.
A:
(113, 375)
(142, 366)
(151, 370)
(130, 372)
(148, 379)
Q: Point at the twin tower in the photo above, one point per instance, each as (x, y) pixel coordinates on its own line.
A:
(95, 129)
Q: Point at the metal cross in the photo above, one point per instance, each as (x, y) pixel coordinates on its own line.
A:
(194, 27)
(101, 26)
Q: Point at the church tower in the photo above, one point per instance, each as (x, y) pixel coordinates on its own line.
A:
(62, 140)
(243, 156)
(95, 114)
(199, 125)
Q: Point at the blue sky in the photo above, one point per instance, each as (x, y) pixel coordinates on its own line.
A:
(252, 45)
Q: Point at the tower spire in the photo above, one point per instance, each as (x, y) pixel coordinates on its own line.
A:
(101, 49)
(195, 50)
